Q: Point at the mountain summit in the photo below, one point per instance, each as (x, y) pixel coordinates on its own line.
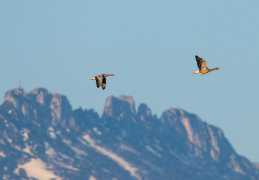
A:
(42, 137)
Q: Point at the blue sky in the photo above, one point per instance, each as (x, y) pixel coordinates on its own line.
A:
(150, 46)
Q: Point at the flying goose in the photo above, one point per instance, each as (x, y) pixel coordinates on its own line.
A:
(101, 80)
(202, 65)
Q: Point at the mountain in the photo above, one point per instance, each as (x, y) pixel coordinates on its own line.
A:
(42, 137)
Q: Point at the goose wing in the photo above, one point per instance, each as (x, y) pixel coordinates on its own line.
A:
(202, 64)
(103, 83)
(99, 80)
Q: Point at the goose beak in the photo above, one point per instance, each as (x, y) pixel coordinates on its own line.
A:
(92, 78)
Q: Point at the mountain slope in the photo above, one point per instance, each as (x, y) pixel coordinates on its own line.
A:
(43, 138)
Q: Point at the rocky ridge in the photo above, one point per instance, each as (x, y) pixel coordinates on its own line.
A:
(44, 138)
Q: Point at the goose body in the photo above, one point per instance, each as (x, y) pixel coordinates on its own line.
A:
(202, 65)
(101, 80)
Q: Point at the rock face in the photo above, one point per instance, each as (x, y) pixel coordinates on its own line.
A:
(43, 138)
(121, 107)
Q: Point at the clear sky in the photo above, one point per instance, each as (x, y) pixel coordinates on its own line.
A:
(150, 46)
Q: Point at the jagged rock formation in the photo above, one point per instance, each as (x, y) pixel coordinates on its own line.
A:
(43, 138)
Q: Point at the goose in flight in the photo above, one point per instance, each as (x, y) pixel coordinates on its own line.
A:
(202, 65)
(101, 80)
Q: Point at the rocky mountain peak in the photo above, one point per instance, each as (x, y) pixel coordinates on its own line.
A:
(129, 100)
(199, 138)
(120, 107)
(32, 103)
(14, 96)
(41, 95)
(144, 112)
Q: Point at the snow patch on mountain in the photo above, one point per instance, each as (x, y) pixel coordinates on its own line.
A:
(123, 163)
(2, 154)
(51, 132)
(127, 148)
(36, 168)
(148, 148)
(27, 149)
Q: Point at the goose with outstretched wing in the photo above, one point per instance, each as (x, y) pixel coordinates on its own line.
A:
(101, 80)
(202, 65)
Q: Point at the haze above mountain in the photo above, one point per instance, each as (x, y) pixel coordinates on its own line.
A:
(42, 137)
